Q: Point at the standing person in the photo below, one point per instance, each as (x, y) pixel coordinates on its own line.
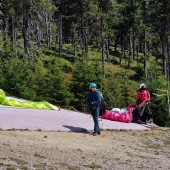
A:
(142, 104)
(93, 100)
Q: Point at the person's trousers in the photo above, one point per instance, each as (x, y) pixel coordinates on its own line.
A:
(95, 116)
(143, 112)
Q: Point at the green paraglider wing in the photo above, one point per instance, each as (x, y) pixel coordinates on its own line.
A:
(26, 104)
(2, 96)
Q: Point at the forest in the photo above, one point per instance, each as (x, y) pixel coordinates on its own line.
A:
(50, 50)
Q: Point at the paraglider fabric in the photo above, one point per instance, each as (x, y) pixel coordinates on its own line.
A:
(120, 115)
(26, 104)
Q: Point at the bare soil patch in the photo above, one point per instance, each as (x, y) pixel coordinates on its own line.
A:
(82, 151)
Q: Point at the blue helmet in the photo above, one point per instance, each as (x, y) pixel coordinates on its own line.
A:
(92, 85)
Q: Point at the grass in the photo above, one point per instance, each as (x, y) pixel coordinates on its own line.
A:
(38, 155)
(70, 167)
(18, 161)
(10, 168)
(79, 150)
(13, 129)
(24, 168)
(41, 166)
(113, 65)
(167, 142)
(152, 145)
(93, 166)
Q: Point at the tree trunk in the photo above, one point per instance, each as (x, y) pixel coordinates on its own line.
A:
(48, 30)
(137, 55)
(133, 44)
(166, 59)
(107, 49)
(5, 28)
(14, 40)
(123, 39)
(102, 44)
(82, 36)
(26, 20)
(38, 35)
(130, 51)
(60, 35)
(74, 40)
(86, 45)
(145, 54)
(14, 35)
(115, 45)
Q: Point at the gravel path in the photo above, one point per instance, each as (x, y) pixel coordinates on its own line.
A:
(37, 139)
(112, 150)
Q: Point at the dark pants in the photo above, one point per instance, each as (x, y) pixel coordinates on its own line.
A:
(95, 115)
(142, 113)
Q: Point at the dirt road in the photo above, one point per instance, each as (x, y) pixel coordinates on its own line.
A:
(81, 151)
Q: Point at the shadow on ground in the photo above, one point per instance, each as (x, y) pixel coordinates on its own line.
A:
(75, 129)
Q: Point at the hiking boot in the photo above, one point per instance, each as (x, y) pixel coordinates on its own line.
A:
(94, 134)
(139, 122)
(150, 120)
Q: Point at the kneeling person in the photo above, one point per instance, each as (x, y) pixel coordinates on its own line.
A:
(142, 105)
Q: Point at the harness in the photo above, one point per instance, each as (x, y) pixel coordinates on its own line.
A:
(140, 98)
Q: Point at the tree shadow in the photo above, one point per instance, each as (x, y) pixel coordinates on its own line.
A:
(76, 129)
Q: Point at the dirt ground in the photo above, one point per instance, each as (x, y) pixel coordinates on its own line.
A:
(119, 150)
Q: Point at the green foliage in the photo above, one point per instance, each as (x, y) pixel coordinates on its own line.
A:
(112, 92)
(133, 30)
(157, 85)
(35, 82)
(49, 82)
(160, 111)
(139, 74)
(83, 74)
(5, 46)
(15, 76)
(63, 64)
(119, 91)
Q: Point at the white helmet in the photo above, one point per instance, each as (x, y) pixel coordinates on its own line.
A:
(141, 85)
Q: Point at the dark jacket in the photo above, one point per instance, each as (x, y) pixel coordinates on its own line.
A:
(94, 98)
